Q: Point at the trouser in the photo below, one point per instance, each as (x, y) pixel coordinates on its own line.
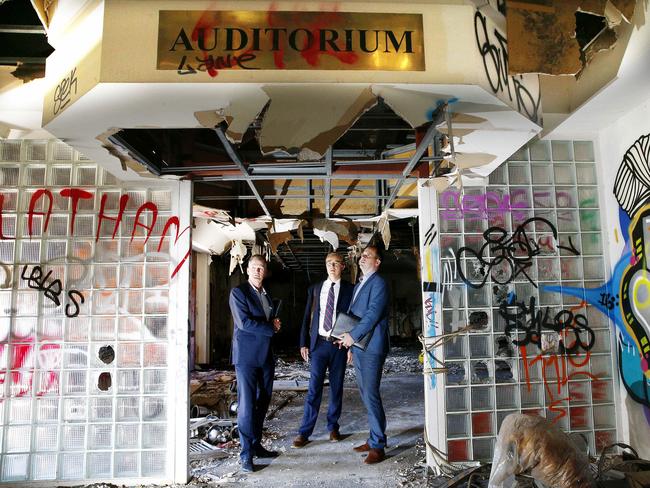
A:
(368, 368)
(325, 356)
(254, 388)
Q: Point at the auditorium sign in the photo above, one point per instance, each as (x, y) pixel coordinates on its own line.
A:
(207, 41)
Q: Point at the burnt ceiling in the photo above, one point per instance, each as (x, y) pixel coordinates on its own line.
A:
(365, 171)
(23, 43)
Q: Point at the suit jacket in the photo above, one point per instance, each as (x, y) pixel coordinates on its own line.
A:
(371, 306)
(251, 340)
(309, 329)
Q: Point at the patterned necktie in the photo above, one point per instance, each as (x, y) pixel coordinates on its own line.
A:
(329, 310)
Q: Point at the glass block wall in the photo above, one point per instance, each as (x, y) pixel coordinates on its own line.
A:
(533, 347)
(84, 328)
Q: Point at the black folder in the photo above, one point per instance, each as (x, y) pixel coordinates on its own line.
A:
(277, 305)
(346, 322)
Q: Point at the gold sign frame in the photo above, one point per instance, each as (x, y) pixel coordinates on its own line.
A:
(191, 42)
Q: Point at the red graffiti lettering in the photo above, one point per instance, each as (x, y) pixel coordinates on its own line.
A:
(74, 194)
(174, 221)
(32, 203)
(102, 216)
(555, 365)
(154, 214)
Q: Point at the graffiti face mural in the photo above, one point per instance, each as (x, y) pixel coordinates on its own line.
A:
(625, 297)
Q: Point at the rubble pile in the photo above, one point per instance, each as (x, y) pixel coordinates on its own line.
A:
(295, 370)
(415, 475)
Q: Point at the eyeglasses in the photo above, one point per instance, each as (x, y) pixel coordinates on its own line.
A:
(334, 263)
(368, 256)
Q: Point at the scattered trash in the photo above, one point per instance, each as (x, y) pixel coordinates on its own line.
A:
(199, 449)
(528, 443)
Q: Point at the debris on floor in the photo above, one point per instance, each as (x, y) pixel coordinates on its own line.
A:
(535, 445)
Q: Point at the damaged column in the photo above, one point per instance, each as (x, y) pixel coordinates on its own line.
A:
(431, 319)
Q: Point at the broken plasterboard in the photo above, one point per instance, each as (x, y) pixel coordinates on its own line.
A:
(239, 114)
(542, 34)
(311, 117)
(216, 238)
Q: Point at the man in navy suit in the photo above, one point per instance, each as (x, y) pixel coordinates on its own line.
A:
(324, 301)
(370, 303)
(251, 308)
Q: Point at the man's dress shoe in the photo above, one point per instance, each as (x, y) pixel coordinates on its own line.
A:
(299, 441)
(362, 448)
(375, 456)
(247, 465)
(260, 452)
(335, 436)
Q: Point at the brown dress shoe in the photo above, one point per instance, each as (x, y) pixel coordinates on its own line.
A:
(375, 456)
(335, 436)
(362, 448)
(299, 441)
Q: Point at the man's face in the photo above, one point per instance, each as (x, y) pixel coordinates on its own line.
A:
(369, 261)
(334, 266)
(256, 270)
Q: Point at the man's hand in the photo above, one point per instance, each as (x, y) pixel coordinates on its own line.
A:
(350, 361)
(347, 340)
(277, 325)
(304, 352)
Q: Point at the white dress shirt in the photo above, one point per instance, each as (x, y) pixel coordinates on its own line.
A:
(324, 291)
(362, 281)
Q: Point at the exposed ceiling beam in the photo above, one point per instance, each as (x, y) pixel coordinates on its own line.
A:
(22, 29)
(450, 134)
(309, 196)
(294, 256)
(235, 159)
(341, 176)
(415, 159)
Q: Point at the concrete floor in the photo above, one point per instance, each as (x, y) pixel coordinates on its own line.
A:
(335, 465)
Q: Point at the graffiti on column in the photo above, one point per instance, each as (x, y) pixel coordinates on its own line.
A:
(432, 289)
(494, 51)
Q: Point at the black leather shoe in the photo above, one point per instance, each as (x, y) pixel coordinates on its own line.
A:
(247, 465)
(260, 452)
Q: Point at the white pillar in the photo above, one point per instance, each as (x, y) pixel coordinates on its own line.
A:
(179, 297)
(435, 423)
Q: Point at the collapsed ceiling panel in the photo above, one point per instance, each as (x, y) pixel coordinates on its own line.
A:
(556, 38)
(239, 114)
(212, 237)
(307, 119)
(415, 107)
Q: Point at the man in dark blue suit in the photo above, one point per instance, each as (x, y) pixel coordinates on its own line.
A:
(324, 301)
(251, 308)
(370, 303)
